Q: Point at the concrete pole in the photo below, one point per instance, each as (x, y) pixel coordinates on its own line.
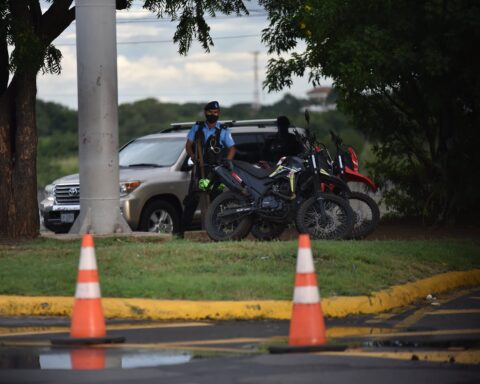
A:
(98, 119)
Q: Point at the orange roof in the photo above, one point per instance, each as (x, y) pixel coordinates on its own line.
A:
(319, 90)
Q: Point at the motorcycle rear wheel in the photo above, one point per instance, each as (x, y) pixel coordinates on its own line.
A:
(265, 230)
(336, 224)
(366, 214)
(228, 228)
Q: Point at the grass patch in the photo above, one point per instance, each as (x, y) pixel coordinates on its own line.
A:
(180, 269)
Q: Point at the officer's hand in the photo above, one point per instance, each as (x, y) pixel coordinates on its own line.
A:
(228, 164)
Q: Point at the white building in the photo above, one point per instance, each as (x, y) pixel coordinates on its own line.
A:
(318, 99)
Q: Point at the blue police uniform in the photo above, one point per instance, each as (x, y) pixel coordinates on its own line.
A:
(226, 140)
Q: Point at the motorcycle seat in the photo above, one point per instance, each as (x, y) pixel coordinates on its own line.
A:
(252, 169)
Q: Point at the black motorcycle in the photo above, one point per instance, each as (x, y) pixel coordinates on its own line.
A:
(290, 193)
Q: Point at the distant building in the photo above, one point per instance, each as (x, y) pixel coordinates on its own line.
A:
(319, 94)
(318, 99)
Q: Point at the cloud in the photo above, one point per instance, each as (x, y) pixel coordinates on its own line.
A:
(239, 56)
(149, 31)
(146, 70)
(209, 72)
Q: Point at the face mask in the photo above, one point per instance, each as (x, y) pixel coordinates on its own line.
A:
(211, 118)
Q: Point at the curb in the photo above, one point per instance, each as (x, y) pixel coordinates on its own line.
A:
(149, 309)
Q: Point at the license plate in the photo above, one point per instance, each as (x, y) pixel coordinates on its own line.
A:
(67, 217)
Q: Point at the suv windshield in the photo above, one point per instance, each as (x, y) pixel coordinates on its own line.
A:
(151, 152)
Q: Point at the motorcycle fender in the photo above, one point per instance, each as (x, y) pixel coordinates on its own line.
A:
(229, 180)
(351, 175)
(336, 182)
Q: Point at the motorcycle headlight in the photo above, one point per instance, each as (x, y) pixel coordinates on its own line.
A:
(128, 187)
(50, 191)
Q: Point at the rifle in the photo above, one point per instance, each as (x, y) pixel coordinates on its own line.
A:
(204, 196)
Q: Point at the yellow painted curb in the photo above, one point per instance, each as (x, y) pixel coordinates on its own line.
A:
(381, 301)
(399, 295)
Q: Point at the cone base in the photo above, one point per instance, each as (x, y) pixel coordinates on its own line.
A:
(306, 348)
(88, 340)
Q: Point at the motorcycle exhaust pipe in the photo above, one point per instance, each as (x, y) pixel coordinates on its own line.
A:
(232, 180)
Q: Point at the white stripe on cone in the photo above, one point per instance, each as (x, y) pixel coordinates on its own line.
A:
(306, 295)
(305, 261)
(87, 291)
(87, 259)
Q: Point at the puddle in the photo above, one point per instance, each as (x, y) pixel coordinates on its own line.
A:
(461, 343)
(88, 358)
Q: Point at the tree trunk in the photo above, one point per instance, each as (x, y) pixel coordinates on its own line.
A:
(18, 166)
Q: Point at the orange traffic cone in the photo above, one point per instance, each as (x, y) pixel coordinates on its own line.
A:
(88, 323)
(87, 319)
(307, 326)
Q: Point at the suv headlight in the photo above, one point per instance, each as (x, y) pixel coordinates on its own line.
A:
(128, 187)
(50, 192)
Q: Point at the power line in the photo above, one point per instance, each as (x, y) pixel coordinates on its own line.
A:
(157, 20)
(142, 10)
(163, 41)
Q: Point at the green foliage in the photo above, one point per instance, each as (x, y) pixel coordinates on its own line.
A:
(149, 116)
(53, 56)
(58, 138)
(191, 20)
(404, 71)
(21, 28)
(53, 118)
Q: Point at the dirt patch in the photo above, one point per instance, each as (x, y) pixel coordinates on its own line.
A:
(386, 230)
(412, 230)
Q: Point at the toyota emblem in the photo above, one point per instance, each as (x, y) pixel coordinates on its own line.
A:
(74, 191)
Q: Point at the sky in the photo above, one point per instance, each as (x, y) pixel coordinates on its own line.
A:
(149, 64)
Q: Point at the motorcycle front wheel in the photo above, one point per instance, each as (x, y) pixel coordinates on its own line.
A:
(230, 227)
(327, 217)
(366, 214)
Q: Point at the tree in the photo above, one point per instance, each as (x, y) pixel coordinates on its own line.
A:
(31, 33)
(406, 73)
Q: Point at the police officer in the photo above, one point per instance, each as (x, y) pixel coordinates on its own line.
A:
(206, 144)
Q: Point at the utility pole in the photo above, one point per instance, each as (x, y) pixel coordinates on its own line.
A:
(98, 119)
(256, 93)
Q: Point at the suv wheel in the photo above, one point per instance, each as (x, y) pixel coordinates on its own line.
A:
(161, 217)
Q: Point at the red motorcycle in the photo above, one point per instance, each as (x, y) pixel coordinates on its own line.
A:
(345, 166)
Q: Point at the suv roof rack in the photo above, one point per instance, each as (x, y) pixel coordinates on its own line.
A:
(260, 123)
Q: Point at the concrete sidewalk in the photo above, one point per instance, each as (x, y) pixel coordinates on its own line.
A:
(123, 308)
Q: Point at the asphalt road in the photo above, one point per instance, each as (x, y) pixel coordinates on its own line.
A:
(437, 340)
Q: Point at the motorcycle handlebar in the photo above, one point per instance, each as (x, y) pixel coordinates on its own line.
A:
(336, 139)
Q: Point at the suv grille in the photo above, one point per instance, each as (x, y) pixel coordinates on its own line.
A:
(67, 194)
